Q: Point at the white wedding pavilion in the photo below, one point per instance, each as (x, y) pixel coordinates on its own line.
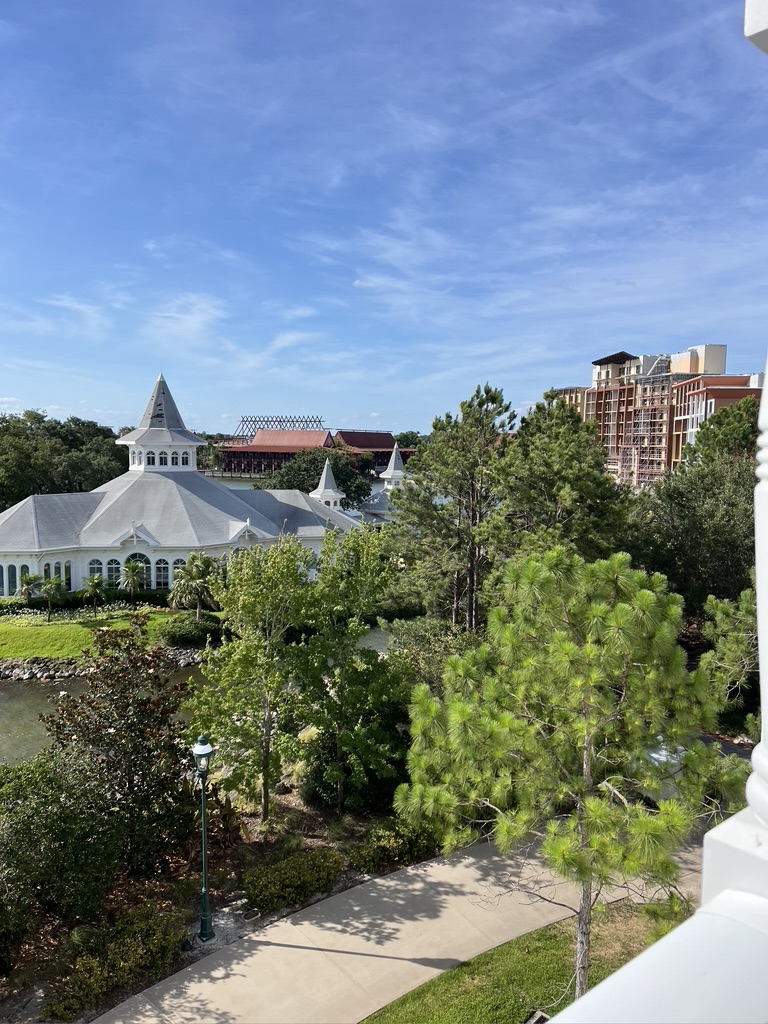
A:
(156, 514)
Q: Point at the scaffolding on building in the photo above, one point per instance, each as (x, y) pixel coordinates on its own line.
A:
(248, 425)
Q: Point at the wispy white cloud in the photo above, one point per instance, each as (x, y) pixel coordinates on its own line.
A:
(87, 319)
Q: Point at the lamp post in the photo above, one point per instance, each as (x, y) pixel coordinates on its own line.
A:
(202, 752)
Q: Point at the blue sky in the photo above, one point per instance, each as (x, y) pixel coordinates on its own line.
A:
(362, 210)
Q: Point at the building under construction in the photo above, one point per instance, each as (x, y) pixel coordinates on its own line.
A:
(644, 405)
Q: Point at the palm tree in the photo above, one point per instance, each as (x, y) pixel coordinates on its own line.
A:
(94, 589)
(53, 591)
(191, 584)
(133, 577)
(28, 587)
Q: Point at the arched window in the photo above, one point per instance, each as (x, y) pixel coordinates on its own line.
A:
(2, 581)
(57, 569)
(47, 571)
(145, 562)
(178, 563)
(113, 573)
(174, 458)
(185, 458)
(133, 456)
(23, 570)
(67, 575)
(139, 456)
(12, 584)
(150, 458)
(162, 575)
(163, 459)
(95, 567)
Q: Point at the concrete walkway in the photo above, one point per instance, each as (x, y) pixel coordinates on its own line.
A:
(345, 957)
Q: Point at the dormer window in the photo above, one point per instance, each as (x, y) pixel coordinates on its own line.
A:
(174, 458)
(150, 458)
(185, 458)
(163, 459)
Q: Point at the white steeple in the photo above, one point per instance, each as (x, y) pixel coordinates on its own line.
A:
(394, 474)
(161, 442)
(326, 491)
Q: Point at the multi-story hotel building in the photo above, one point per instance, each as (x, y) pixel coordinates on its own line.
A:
(647, 408)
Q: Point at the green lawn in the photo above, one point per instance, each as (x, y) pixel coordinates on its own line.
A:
(505, 985)
(36, 638)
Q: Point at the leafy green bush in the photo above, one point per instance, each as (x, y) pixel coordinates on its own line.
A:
(373, 768)
(397, 844)
(16, 920)
(184, 630)
(60, 841)
(143, 942)
(293, 880)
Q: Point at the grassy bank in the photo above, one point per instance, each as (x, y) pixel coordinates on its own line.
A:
(33, 637)
(505, 985)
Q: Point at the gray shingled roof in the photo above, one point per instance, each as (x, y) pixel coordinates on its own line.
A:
(169, 510)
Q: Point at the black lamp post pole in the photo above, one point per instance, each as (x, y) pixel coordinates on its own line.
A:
(202, 752)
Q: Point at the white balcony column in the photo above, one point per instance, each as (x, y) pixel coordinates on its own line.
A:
(756, 23)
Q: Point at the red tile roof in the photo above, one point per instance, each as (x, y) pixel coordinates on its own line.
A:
(283, 441)
(366, 440)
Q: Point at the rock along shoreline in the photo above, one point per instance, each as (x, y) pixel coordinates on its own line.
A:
(47, 670)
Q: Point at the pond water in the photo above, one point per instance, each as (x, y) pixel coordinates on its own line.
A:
(22, 702)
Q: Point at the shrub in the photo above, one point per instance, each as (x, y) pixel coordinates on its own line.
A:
(184, 630)
(16, 920)
(293, 880)
(397, 844)
(143, 942)
(60, 842)
(368, 787)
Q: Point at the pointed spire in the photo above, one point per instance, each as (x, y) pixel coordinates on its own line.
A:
(394, 474)
(326, 491)
(161, 410)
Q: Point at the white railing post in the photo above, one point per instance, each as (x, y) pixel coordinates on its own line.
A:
(757, 784)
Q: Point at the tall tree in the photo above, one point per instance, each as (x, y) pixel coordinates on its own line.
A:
(348, 693)
(192, 583)
(409, 438)
(247, 705)
(39, 455)
(351, 472)
(731, 431)
(574, 717)
(553, 485)
(696, 525)
(442, 513)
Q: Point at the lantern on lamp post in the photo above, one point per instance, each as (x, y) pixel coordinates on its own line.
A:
(202, 752)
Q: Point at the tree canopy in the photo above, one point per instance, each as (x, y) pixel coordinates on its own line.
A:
(553, 486)
(696, 525)
(731, 431)
(578, 723)
(39, 455)
(442, 512)
(303, 472)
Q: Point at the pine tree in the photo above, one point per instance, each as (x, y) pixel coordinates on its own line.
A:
(442, 512)
(577, 723)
